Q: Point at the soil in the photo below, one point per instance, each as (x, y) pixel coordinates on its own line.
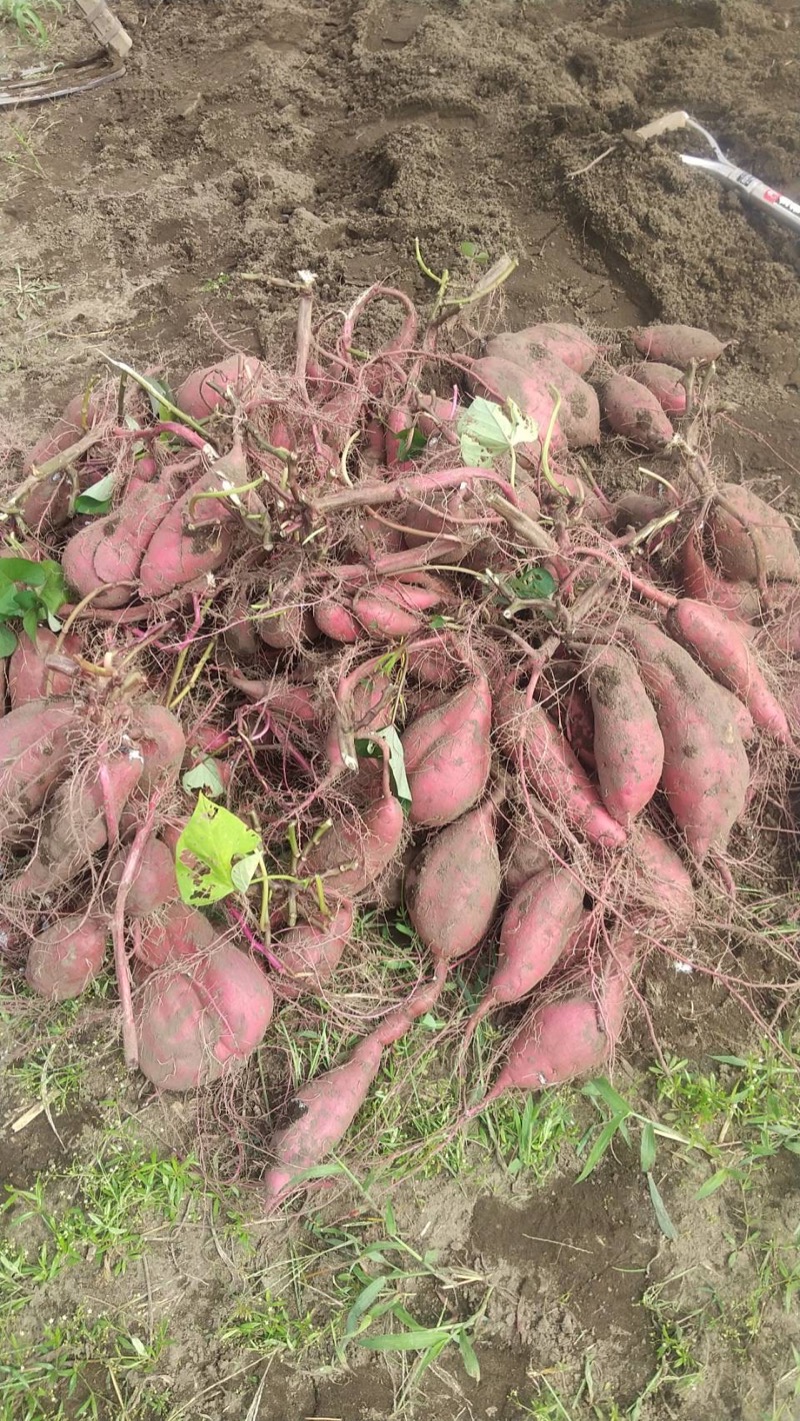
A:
(150, 220)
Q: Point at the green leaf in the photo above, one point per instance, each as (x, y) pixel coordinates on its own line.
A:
(472, 1366)
(363, 1303)
(664, 1221)
(533, 582)
(33, 574)
(412, 442)
(599, 1147)
(601, 1089)
(718, 1178)
(244, 870)
(96, 499)
(8, 640)
(730, 1060)
(485, 430)
(204, 776)
(648, 1147)
(389, 1220)
(208, 850)
(9, 606)
(30, 622)
(160, 406)
(467, 249)
(368, 749)
(54, 592)
(406, 1341)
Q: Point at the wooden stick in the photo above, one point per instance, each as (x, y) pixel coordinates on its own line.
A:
(106, 26)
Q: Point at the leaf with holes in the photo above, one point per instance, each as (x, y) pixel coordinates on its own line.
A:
(215, 855)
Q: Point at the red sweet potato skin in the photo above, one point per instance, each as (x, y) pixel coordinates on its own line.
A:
(162, 744)
(109, 550)
(34, 753)
(748, 536)
(155, 884)
(726, 654)
(310, 952)
(176, 932)
(634, 412)
(186, 546)
(567, 343)
(448, 756)
(628, 744)
(706, 773)
(663, 381)
(65, 958)
(535, 930)
(552, 769)
(27, 671)
(368, 848)
(453, 887)
(498, 379)
(738, 600)
(677, 344)
(203, 392)
(661, 882)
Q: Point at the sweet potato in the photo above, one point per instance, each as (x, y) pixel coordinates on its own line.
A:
(529, 388)
(336, 621)
(179, 931)
(578, 723)
(536, 927)
(561, 1040)
(66, 957)
(108, 551)
(725, 653)
(191, 1023)
(384, 616)
(203, 392)
(353, 856)
(453, 887)
(636, 510)
(498, 379)
(310, 953)
(567, 343)
(27, 667)
(552, 769)
(368, 708)
(525, 853)
(159, 735)
(748, 534)
(447, 525)
(320, 1115)
(706, 773)
(288, 628)
(433, 665)
(47, 503)
(634, 412)
(628, 745)
(677, 345)
(663, 381)
(738, 600)
(448, 755)
(76, 823)
(34, 752)
(155, 884)
(661, 882)
(183, 547)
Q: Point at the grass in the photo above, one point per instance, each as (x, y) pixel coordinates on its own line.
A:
(26, 17)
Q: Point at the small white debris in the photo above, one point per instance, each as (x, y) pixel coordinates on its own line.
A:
(683, 967)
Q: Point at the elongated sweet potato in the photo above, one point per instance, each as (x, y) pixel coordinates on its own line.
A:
(720, 647)
(66, 957)
(186, 546)
(536, 928)
(706, 773)
(738, 600)
(552, 769)
(530, 388)
(453, 887)
(336, 620)
(498, 379)
(108, 552)
(628, 745)
(448, 755)
(678, 345)
(634, 412)
(310, 952)
(27, 667)
(567, 343)
(661, 882)
(203, 392)
(749, 535)
(34, 753)
(525, 853)
(663, 381)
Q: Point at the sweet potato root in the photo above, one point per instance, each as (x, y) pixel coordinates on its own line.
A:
(678, 345)
(310, 952)
(453, 887)
(634, 412)
(628, 745)
(569, 344)
(28, 672)
(448, 755)
(34, 753)
(721, 648)
(750, 537)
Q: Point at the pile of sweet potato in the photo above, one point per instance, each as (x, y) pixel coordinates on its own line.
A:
(522, 696)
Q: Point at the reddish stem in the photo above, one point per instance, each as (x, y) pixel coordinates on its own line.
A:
(254, 942)
(121, 965)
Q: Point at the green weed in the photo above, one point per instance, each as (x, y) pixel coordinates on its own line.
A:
(81, 1368)
(27, 17)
